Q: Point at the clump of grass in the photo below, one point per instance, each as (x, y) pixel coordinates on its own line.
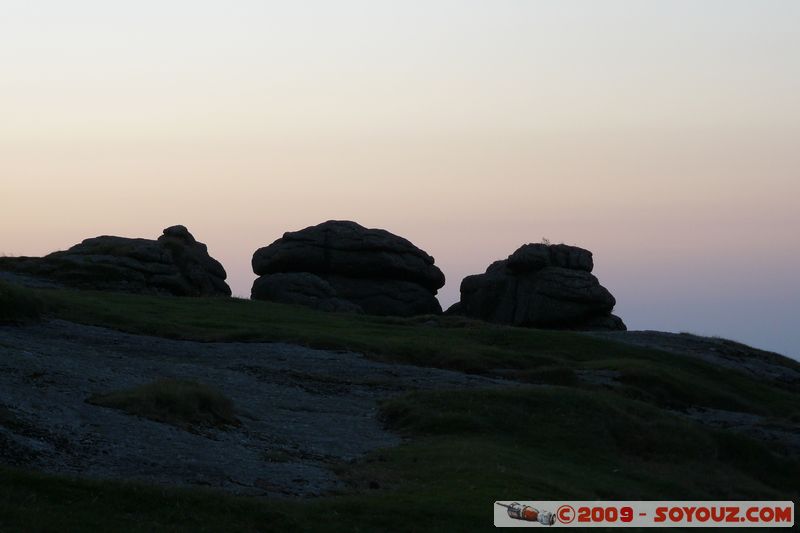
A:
(186, 404)
(549, 375)
(18, 304)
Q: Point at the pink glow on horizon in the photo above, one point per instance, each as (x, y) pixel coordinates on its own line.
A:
(661, 136)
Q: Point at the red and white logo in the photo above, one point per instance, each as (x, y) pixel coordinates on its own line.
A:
(644, 514)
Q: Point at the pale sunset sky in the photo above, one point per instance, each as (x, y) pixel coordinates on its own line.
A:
(662, 135)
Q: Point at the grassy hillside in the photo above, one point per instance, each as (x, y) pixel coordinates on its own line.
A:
(554, 436)
(526, 355)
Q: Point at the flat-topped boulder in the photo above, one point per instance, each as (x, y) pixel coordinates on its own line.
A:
(341, 265)
(174, 264)
(540, 285)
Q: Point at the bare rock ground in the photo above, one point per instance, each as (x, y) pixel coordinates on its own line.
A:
(301, 409)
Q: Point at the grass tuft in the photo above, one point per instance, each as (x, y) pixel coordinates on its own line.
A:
(185, 404)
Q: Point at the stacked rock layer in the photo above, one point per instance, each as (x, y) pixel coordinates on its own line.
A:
(342, 266)
(540, 285)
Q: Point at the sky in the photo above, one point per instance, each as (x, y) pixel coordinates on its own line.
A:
(663, 136)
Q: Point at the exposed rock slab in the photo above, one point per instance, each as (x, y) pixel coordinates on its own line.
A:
(301, 409)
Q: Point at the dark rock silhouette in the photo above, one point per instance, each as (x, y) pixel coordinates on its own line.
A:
(342, 266)
(540, 285)
(301, 288)
(175, 264)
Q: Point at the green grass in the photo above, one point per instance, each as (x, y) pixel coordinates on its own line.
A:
(18, 304)
(186, 404)
(551, 437)
(575, 439)
(535, 356)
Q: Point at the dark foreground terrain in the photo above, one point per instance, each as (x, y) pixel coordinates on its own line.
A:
(357, 423)
(298, 409)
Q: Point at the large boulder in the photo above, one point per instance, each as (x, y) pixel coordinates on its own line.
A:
(174, 264)
(540, 285)
(340, 265)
